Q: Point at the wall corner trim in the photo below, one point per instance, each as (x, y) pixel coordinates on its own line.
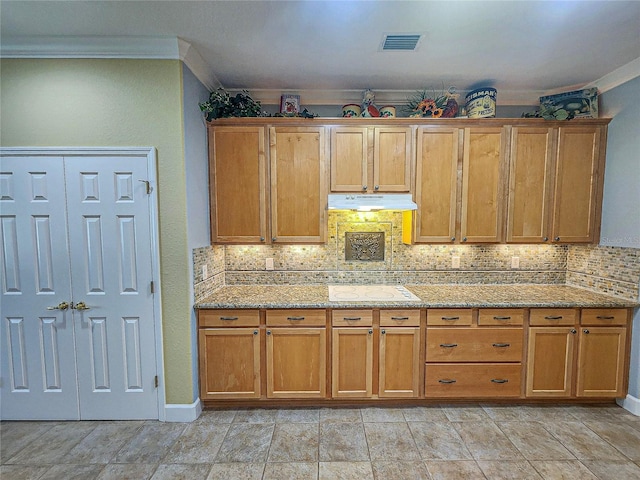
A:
(631, 404)
(182, 412)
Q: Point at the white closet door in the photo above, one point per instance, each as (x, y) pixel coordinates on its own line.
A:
(111, 258)
(38, 353)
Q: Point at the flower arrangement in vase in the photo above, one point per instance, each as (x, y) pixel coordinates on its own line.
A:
(426, 103)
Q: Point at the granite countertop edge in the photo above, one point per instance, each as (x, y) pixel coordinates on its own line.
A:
(431, 296)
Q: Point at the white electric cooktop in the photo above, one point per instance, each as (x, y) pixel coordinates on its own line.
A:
(370, 293)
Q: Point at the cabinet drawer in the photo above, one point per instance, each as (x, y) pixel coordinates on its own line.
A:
(399, 318)
(228, 318)
(315, 317)
(474, 344)
(352, 318)
(603, 316)
(552, 317)
(449, 316)
(472, 380)
(501, 316)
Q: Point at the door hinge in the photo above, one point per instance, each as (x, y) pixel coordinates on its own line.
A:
(156, 382)
(152, 287)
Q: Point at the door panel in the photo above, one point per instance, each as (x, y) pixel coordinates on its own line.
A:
(38, 368)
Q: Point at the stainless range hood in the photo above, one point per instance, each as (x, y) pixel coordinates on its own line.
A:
(372, 202)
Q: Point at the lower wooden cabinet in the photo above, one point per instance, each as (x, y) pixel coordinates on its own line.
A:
(399, 374)
(550, 361)
(296, 362)
(229, 363)
(352, 362)
(601, 362)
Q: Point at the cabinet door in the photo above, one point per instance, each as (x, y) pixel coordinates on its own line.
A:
(392, 159)
(352, 362)
(530, 185)
(399, 368)
(576, 211)
(436, 185)
(296, 362)
(349, 154)
(483, 185)
(601, 362)
(238, 184)
(550, 361)
(229, 363)
(298, 185)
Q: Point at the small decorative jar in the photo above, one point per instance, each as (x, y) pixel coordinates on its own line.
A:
(388, 111)
(351, 110)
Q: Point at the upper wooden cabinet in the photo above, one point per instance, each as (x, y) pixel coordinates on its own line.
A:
(371, 159)
(578, 185)
(436, 184)
(268, 196)
(238, 184)
(298, 185)
(484, 176)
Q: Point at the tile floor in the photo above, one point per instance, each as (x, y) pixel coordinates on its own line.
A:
(467, 442)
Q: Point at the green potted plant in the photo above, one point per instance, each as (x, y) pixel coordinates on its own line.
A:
(221, 105)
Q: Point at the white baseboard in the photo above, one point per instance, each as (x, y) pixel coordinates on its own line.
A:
(631, 404)
(182, 412)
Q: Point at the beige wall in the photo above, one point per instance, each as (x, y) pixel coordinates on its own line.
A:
(107, 102)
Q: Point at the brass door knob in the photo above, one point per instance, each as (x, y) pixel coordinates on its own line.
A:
(80, 306)
(60, 306)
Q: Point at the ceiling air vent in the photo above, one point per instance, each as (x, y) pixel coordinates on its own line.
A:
(402, 42)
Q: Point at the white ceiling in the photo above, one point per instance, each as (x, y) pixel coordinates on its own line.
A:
(331, 49)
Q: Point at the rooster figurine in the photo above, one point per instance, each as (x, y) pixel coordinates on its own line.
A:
(368, 107)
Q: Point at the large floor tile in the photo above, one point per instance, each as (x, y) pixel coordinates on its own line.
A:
(291, 471)
(342, 442)
(400, 470)
(622, 436)
(424, 414)
(612, 470)
(216, 416)
(378, 415)
(231, 471)
(340, 415)
(22, 472)
(599, 412)
(438, 441)
(562, 469)
(150, 444)
(53, 444)
(198, 443)
(72, 472)
(14, 436)
(534, 442)
(181, 472)
(465, 413)
(103, 443)
(294, 442)
(390, 441)
(486, 441)
(127, 471)
(454, 470)
(256, 415)
(582, 442)
(246, 442)
(298, 415)
(345, 471)
(506, 470)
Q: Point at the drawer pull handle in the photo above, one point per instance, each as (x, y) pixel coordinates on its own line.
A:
(228, 318)
(450, 318)
(351, 318)
(446, 381)
(501, 345)
(499, 380)
(604, 317)
(407, 318)
(448, 345)
(553, 317)
(295, 318)
(502, 318)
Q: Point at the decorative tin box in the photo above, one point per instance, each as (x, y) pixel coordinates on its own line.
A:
(582, 103)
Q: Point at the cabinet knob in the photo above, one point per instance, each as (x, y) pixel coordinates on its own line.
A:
(546, 239)
(268, 332)
(370, 332)
(453, 239)
(364, 187)
(585, 331)
(255, 332)
(573, 331)
(262, 239)
(273, 239)
(557, 239)
(464, 239)
(383, 332)
(376, 187)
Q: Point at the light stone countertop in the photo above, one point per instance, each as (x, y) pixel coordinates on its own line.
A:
(431, 296)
